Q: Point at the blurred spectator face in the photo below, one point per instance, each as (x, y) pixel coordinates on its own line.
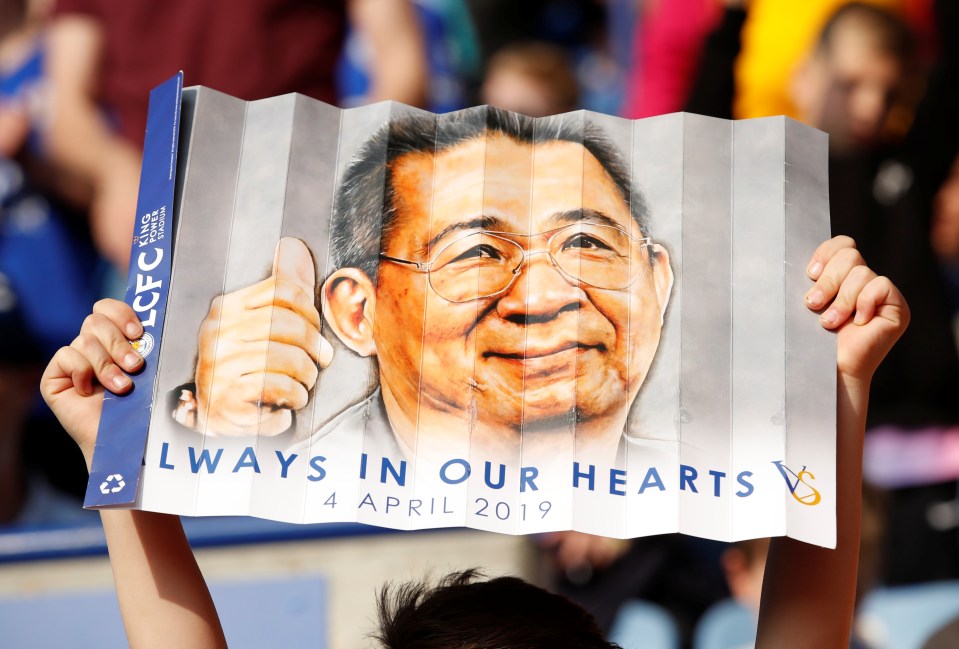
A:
(512, 90)
(850, 83)
(744, 564)
(945, 218)
(534, 79)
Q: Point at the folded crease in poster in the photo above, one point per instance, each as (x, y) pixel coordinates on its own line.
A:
(481, 319)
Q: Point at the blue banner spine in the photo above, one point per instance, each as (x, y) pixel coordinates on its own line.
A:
(125, 420)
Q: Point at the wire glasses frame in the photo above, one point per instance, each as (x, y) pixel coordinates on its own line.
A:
(484, 264)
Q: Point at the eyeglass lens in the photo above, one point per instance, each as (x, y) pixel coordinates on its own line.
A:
(482, 264)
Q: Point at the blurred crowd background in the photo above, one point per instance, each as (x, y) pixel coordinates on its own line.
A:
(881, 77)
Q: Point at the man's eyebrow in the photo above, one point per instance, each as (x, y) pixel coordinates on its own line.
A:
(584, 214)
(484, 222)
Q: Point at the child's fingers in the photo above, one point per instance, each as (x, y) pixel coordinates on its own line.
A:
(68, 368)
(879, 292)
(114, 341)
(94, 351)
(832, 276)
(826, 251)
(107, 373)
(122, 315)
(847, 297)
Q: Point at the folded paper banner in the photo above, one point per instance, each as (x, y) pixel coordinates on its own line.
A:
(481, 319)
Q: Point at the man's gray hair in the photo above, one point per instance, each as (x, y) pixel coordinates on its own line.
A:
(364, 210)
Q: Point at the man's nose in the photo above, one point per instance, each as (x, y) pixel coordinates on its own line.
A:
(540, 293)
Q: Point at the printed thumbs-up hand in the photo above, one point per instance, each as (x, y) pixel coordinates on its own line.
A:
(260, 350)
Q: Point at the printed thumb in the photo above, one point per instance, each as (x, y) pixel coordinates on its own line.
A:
(292, 260)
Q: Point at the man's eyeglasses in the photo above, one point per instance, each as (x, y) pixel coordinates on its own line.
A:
(483, 264)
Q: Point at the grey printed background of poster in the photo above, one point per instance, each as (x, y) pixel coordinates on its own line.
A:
(481, 319)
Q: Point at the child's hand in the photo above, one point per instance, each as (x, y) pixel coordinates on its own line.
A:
(73, 382)
(866, 310)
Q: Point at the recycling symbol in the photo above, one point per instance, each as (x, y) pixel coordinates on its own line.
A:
(112, 484)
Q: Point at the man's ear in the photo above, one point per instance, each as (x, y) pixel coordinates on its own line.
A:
(662, 277)
(348, 304)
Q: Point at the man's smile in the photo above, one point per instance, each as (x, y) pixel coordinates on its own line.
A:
(540, 351)
(552, 363)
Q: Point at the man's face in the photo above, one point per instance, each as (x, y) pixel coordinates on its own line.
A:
(849, 89)
(547, 344)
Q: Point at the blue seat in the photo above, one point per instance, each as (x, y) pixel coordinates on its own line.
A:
(643, 625)
(726, 625)
(270, 612)
(904, 617)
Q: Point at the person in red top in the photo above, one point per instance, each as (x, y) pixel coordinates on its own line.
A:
(104, 57)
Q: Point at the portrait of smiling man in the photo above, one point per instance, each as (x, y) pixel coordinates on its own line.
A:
(498, 268)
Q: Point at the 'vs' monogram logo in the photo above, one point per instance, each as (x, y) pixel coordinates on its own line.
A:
(806, 494)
